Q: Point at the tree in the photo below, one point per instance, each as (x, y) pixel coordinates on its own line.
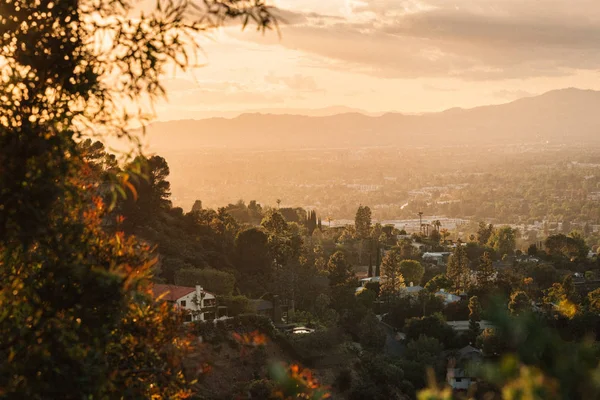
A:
(274, 223)
(197, 206)
(152, 193)
(485, 271)
(438, 283)
(432, 326)
(412, 271)
(474, 318)
(370, 333)
(484, 233)
(377, 260)
(218, 282)
(340, 271)
(362, 222)
(490, 343)
(504, 240)
(78, 319)
(532, 250)
(474, 309)
(519, 303)
(391, 276)
(594, 300)
(458, 270)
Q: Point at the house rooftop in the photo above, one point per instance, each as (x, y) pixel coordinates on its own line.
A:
(413, 289)
(172, 292)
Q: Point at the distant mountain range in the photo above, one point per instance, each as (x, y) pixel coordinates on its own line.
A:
(560, 116)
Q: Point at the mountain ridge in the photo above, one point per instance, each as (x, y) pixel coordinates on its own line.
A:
(557, 116)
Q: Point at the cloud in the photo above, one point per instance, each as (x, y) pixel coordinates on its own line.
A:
(482, 40)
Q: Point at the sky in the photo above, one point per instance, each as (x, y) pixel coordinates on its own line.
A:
(408, 56)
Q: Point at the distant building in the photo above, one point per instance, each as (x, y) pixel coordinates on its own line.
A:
(200, 304)
(439, 258)
(447, 298)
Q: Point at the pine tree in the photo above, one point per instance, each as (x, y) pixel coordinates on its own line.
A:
(362, 221)
(485, 271)
(458, 268)
(474, 318)
(391, 279)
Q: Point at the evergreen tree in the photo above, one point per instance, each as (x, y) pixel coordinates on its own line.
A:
(485, 271)
(458, 270)
(391, 276)
(362, 222)
(484, 233)
(340, 271)
(197, 206)
(474, 318)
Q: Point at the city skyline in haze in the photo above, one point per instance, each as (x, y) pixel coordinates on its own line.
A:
(384, 55)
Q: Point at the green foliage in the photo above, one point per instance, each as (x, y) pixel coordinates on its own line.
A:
(438, 283)
(340, 271)
(458, 270)
(484, 233)
(236, 305)
(432, 326)
(474, 309)
(370, 333)
(77, 317)
(378, 379)
(391, 276)
(403, 308)
(362, 221)
(571, 246)
(503, 240)
(412, 271)
(218, 282)
(317, 344)
(422, 355)
(253, 261)
(519, 303)
(594, 300)
(274, 223)
(485, 271)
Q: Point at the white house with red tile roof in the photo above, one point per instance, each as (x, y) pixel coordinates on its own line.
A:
(202, 305)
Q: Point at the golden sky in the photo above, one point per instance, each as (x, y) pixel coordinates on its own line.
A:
(393, 55)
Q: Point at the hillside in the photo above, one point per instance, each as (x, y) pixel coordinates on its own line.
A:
(562, 116)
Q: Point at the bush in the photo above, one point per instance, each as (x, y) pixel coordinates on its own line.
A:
(236, 305)
(370, 333)
(433, 326)
(318, 343)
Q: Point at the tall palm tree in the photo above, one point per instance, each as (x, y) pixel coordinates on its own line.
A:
(329, 219)
(437, 224)
(278, 201)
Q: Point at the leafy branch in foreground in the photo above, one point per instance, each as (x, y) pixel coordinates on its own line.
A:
(77, 319)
